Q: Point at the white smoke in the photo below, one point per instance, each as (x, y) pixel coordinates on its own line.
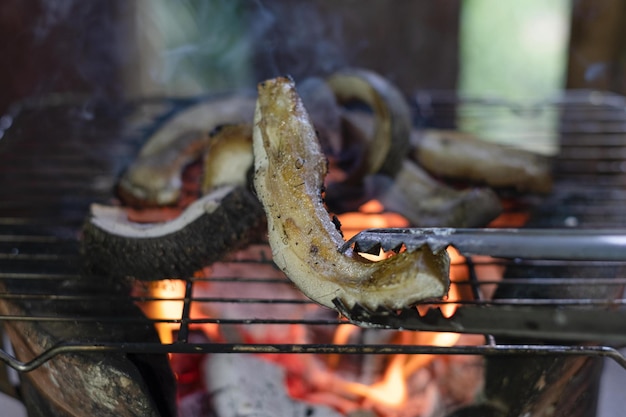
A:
(53, 13)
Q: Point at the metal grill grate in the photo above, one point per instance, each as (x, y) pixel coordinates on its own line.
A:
(60, 155)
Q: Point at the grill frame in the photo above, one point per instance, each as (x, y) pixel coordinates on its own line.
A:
(42, 246)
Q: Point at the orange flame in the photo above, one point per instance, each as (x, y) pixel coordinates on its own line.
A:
(168, 303)
(392, 390)
(370, 215)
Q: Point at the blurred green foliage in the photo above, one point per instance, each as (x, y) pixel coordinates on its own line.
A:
(204, 45)
(514, 49)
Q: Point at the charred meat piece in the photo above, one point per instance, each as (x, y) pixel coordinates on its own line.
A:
(202, 117)
(324, 111)
(289, 173)
(375, 135)
(154, 178)
(390, 142)
(462, 156)
(426, 202)
(228, 157)
(222, 221)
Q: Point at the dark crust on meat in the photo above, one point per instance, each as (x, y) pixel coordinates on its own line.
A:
(237, 220)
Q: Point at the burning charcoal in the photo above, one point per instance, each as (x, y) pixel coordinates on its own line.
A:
(246, 385)
(289, 173)
(94, 383)
(197, 404)
(246, 274)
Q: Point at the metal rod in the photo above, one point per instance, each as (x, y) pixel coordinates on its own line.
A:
(566, 244)
(183, 332)
(204, 348)
(478, 294)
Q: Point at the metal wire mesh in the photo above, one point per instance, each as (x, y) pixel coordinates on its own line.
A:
(59, 156)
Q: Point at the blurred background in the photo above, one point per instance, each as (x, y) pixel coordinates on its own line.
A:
(124, 49)
(138, 48)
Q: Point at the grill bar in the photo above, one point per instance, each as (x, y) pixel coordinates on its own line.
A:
(360, 349)
(564, 244)
(534, 321)
(48, 186)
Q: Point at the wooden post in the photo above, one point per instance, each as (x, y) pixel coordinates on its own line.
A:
(597, 48)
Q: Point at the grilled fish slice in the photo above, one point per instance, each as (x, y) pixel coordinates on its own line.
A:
(222, 220)
(289, 174)
(462, 156)
(154, 177)
(426, 202)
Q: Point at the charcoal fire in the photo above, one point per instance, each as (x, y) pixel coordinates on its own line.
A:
(241, 301)
(391, 383)
(383, 385)
(60, 154)
(322, 378)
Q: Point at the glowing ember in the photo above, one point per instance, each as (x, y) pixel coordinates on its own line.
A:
(370, 215)
(458, 272)
(392, 390)
(384, 385)
(372, 206)
(247, 286)
(164, 304)
(512, 216)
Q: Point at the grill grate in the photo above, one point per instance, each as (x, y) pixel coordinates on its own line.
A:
(60, 155)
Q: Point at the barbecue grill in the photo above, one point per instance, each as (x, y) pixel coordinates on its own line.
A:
(61, 153)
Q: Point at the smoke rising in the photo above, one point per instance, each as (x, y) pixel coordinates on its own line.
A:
(295, 38)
